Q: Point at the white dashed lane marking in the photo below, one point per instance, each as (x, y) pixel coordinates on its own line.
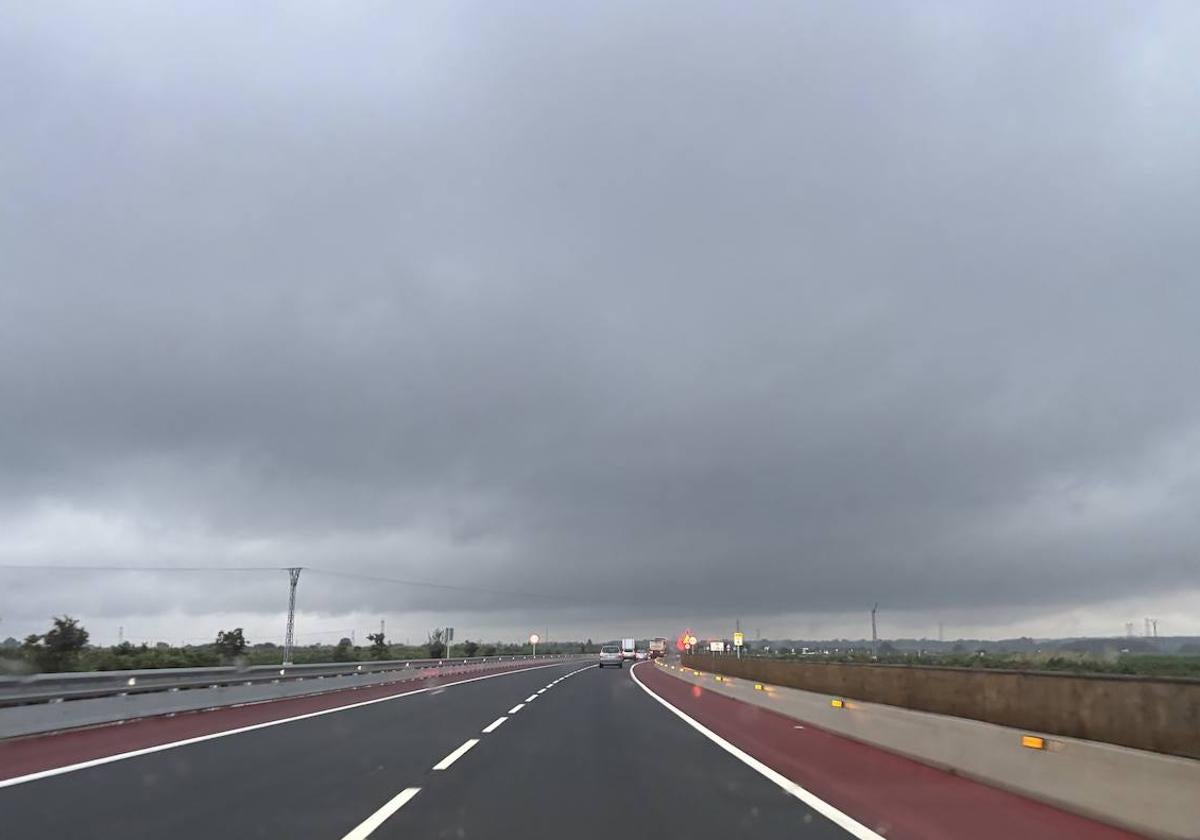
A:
(456, 755)
(364, 829)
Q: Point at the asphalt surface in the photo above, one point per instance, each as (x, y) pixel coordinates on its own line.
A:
(593, 755)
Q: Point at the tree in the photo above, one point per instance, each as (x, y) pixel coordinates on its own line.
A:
(487, 650)
(59, 646)
(230, 643)
(470, 648)
(379, 647)
(344, 652)
(435, 644)
(67, 636)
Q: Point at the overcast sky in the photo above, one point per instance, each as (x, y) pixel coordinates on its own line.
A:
(632, 315)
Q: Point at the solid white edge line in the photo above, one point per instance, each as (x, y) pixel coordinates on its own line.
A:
(456, 755)
(170, 745)
(363, 830)
(516, 708)
(494, 725)
(841, 820)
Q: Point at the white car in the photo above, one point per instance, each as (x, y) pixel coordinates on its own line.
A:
(611, 655)
(639, 655)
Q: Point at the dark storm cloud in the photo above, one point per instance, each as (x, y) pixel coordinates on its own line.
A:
(786, 309)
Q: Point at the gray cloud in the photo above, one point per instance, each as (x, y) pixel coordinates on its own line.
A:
(783, 311)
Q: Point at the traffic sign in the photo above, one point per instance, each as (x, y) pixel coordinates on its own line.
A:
(739, 638)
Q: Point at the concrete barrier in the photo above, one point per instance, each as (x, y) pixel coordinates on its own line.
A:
(1148, 793)
(1159, 714)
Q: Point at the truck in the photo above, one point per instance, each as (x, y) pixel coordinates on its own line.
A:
(628, 649)
(658, 647)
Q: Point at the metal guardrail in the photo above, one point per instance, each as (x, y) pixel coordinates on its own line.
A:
(53, 688)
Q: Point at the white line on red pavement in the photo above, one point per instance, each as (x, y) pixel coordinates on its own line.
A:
(456, 755)
(843, 821)
(364, 829)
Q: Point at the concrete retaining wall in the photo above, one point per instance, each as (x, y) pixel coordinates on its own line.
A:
(1145, 792)
(1156, 714)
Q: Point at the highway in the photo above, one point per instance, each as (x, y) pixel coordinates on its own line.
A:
(535, 751)
(566, 750)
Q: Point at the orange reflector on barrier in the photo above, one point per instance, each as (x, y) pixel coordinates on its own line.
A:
(1033, 742)
(837, 704)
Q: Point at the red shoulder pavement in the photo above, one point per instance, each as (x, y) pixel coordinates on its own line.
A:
(893, 795)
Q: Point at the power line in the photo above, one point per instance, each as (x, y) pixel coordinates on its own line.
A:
(310, 569)
(83, 568)
(450, 586)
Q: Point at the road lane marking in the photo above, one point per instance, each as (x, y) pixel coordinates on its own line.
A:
(108, 759)
(364, 829)
(516, 708)
(541, 691)
(456, 755)
(494, 725)
(530, 698)
(841, 820)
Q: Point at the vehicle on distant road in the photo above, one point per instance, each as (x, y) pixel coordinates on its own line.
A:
(639, 655)
(611, 655)
(628, 649)
(658, 647)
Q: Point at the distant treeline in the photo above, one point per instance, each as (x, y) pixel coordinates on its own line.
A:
(1095, 646)
(65, 647)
